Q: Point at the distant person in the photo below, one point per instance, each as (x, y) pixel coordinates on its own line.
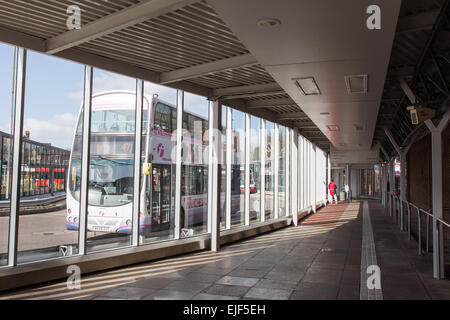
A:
(332, 187)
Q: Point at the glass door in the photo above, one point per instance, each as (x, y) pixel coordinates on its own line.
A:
(161, 193)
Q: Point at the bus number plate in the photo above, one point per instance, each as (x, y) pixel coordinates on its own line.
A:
(97, 228)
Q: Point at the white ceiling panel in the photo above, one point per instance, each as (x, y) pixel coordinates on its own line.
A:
(327, 40)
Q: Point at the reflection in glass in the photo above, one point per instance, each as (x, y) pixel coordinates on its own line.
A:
(255, 168)
(157, 221)
(377, 181)
(111, 162)
(364, 182)
(223, 178)
(6, 65)
(269, 170)
(282, 172)
(237, 168)
(52, 102)
(194, 169)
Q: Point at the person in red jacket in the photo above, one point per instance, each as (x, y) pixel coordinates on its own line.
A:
(332, 187)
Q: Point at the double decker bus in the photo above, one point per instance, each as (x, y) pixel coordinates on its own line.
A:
(111, 167)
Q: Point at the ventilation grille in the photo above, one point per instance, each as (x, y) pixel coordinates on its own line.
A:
(356, 83)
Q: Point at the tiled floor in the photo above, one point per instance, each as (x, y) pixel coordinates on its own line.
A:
(404, 274)
(320, 259)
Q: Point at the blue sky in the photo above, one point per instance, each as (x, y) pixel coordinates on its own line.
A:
(54, 89)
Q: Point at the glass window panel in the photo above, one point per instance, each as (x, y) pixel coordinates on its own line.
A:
(33, 169)
(363, 182)
(194, 169)
(237, 168)
(111, 161)
(369, 182)
(157, 220)
(6, 65)
(269, 170)
(377, 178)
(255, 169)
(223, 179)
(282, 171)
(52, 102)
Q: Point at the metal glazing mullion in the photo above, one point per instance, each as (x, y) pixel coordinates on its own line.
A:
(308, 172)
(305, 179)
(294, 175)
(215, 138)
(302, 173)
(137, 160)
(210, 166)
(87, 105)
(263, 170)
(276, 164)
(303, 176)
(18, 108)
(309, 147)
(314, 176)
(301, 195)
(247, 170)
(228, 169)
(287, 172)
(179, 148)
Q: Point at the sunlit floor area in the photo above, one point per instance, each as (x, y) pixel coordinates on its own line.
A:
(319, 259)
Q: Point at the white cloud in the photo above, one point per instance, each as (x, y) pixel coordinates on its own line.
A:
(75, 95)
(105, 81)
(164, 93)
(58, 130)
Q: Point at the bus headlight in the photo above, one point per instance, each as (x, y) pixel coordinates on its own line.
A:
(69, 219)
(129, 222)
(75, 220)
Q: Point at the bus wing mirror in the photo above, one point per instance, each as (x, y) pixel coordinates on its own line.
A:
(146, 168)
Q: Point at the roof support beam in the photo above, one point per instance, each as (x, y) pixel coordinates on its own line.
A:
(392, 140)
(417, 22)
(207, 68)
(249, 89)
(271, 103)
(383, 151)
(240, 105)
(292, 116)
(20, 39)
(408, 92)
(135, 14)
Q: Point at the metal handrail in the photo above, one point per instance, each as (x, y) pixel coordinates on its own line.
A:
(395, 202)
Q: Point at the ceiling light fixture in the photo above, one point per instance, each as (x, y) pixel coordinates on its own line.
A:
(269, 23)
(333, 127)
(324, 113)
(307, 86)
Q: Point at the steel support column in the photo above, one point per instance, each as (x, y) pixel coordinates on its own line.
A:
(263, 170)
(137, 160)
(294, 175)
(247, 170)
(215, 155)
(287, 166)
(437, 191)
(179, 148)
(276, 165)
(17, 129)
(87, 110)
(228, 169)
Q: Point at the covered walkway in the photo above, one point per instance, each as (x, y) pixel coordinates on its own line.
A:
(319, 259)
(205, 139)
